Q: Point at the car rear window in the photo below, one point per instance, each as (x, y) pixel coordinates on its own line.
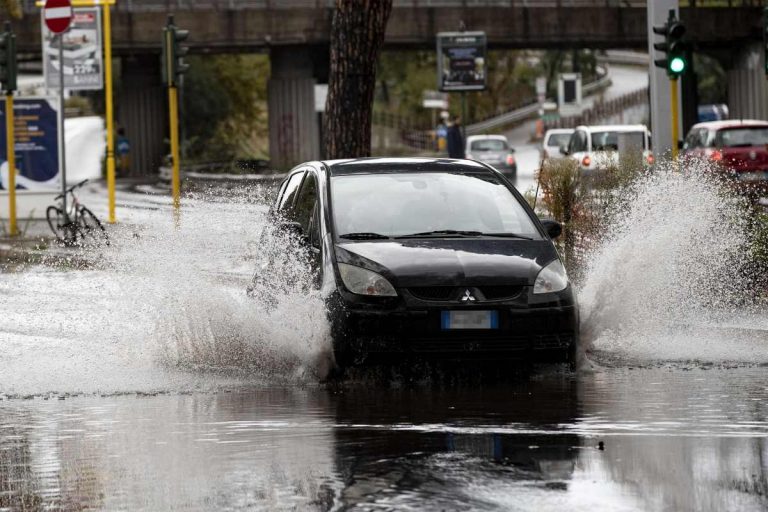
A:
(742, 137)
(488, 145)
(609, 141)
(398, 204)
(558, 139)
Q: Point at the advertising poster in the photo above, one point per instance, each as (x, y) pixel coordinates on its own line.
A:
(82, 53)
(37, 144)
(461, 61)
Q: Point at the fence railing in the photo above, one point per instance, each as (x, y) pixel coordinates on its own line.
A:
(603, 110)
(204, 5)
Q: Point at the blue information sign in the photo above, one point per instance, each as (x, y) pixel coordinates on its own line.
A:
(37, 144)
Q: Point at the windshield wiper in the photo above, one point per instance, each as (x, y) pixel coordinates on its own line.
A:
(364, 236)
(455, 232)
(442, 232)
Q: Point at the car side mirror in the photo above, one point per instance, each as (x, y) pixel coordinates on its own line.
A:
(553, 228)
(564, 150)
(680, 144)
(511, 150)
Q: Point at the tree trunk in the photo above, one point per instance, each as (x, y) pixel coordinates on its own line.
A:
(357, 36)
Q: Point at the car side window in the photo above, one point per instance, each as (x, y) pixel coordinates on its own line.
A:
(305, 204)
(289, 193)
(578, 142)
(693, 140)
(314, 227)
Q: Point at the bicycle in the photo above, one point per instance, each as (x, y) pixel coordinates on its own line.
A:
(77, 224)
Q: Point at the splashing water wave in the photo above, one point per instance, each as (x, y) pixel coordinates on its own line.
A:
(669, 282)
(162, 309)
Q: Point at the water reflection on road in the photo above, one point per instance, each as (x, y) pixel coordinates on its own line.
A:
(674, 439)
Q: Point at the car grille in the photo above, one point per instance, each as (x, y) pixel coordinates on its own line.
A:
(501, 342)
(446, 293)
(434, 292)
(500, 292)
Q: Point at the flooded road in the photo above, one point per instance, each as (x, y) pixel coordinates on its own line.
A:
(673, 438)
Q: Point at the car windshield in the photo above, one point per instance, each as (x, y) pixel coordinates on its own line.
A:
(742, 137)
(559, 139)
(488, 145)
(609, 141)
(399, 204)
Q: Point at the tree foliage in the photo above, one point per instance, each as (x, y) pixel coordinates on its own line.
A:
(224, 111)
(11, 8)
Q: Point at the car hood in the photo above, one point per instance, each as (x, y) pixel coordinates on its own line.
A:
(446, 262)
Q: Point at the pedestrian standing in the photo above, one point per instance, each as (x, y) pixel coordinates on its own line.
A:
(455, 139)
(123, 153)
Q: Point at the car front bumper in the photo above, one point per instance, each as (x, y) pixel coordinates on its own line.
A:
(534, 333)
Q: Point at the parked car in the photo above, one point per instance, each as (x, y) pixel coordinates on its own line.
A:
(598, 147)
(740, 147)
(553, 140)
(493, 150)
(428, 257)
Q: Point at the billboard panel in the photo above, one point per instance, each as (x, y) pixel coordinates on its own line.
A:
(82, 53)
(37, 144)
(461, 61)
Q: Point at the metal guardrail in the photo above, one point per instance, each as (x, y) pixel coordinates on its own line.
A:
(528, 111)
(207, 5)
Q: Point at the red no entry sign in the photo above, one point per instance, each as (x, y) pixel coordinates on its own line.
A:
(57, 15)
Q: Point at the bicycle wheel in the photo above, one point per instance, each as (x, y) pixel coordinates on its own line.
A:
(57, 222)
(90, 226)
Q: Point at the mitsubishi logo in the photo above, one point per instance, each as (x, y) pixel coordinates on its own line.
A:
(467, 297)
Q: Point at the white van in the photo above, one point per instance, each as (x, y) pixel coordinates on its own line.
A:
(596, 147)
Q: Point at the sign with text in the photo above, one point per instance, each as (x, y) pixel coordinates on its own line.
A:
(37, 143)
(82, 53)
(461, 61)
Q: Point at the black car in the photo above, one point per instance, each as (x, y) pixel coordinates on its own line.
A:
(429, 257)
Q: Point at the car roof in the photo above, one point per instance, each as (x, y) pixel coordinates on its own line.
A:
(473, 138)
(730, 123)
(555, 131)
(379, 164)
(615, 128)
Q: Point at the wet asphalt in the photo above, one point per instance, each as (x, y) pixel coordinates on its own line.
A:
(666, 437)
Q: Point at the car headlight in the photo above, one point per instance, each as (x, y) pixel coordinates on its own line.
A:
(551, 278)
(365, 282)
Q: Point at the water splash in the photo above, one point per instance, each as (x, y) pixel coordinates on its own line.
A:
(669, 282)
(162, 309)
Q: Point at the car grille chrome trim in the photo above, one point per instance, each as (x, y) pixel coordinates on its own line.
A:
(453, 293)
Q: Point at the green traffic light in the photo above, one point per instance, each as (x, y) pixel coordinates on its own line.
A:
(677, 65)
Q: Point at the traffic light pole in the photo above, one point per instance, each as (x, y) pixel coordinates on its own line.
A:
(11, 150)
(173, 104)
(173, 109)
(109, 111)
(673, 103)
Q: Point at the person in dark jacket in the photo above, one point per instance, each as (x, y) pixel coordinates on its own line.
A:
(455, 139)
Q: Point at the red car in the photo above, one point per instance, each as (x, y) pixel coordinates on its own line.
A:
(741, 147)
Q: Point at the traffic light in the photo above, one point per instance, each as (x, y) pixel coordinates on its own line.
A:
(676, 60)
(8, 67)
(174, 53)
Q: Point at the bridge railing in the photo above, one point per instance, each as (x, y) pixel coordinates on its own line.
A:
(206, 5)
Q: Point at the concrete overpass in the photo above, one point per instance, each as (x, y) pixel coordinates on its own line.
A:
(296, 34)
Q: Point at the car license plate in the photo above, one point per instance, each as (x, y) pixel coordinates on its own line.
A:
(470, 320)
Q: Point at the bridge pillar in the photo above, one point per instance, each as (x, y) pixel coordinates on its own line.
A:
(294, 134)
(142, 111)
(747, 86)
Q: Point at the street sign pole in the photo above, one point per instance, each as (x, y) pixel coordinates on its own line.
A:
(11, 150)
(61, 130)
